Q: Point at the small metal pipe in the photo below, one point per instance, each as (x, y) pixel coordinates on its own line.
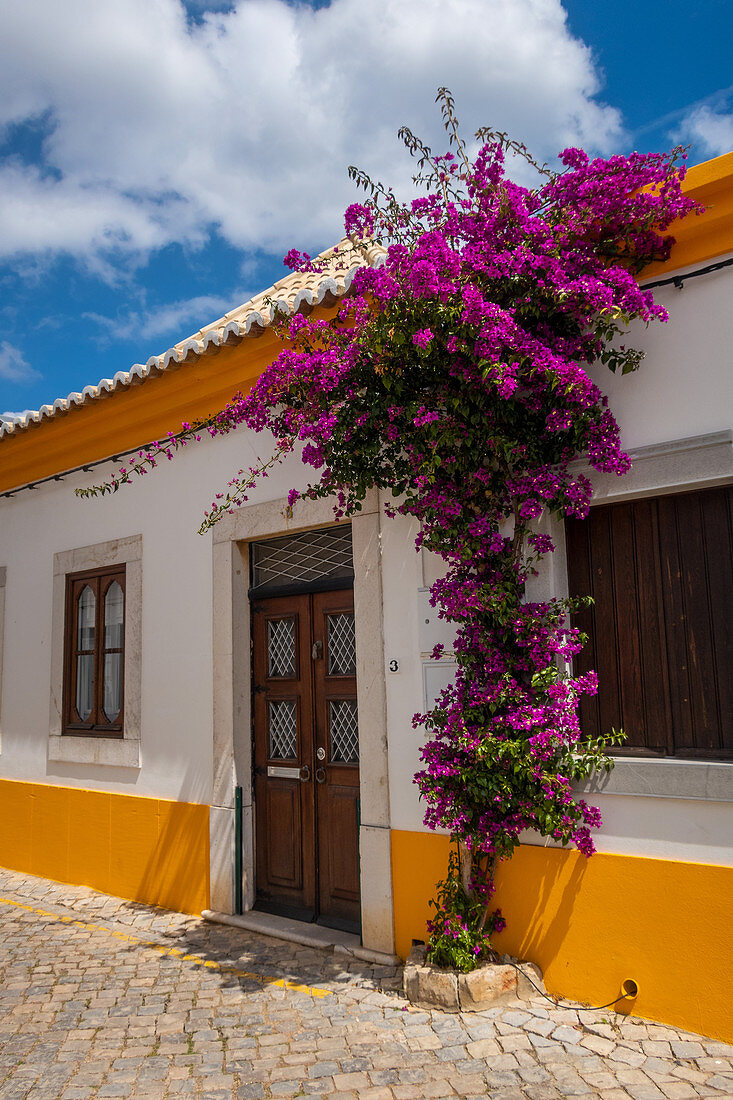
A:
(238, 850)
(680, 280)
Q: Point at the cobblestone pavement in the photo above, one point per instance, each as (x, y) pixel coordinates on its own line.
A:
(105, 998)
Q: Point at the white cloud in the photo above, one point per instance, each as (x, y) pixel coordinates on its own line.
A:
(710, 128)
(171, 318)
(14, 367)
(245, 120)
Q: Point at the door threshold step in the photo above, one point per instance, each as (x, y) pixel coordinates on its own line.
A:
(309, 935)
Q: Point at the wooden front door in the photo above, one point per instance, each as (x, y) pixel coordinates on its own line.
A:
(307, 757)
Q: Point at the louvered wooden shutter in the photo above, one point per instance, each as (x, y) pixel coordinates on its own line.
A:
(661, 631)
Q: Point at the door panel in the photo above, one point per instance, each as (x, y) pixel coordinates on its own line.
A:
(337, 749)
(283, 736)
(306, 738)
(284, 859)
(341, 811)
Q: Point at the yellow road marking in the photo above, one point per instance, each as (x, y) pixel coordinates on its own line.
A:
(175, 952)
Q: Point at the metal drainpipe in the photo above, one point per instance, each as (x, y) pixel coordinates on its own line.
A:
(238, 850)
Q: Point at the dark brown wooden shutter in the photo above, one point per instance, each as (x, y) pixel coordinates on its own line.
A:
(661, 631)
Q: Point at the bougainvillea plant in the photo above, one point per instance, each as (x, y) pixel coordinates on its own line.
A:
(455, 378)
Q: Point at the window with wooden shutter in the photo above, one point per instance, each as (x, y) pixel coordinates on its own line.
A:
(660, 571)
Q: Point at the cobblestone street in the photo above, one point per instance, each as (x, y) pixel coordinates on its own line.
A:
(105, 998)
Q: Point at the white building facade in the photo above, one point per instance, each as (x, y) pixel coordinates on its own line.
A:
(244, 739)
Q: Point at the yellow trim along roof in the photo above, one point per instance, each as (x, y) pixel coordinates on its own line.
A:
(704, 236)
(199, 375)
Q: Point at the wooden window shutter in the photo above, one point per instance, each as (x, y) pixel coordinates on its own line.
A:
(660, 571)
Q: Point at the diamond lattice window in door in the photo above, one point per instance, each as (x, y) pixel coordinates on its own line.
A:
(303, 557)
(344, 729)
(341, 645)
(281, 648)
(283, 730)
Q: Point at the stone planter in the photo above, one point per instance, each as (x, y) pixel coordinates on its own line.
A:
(491, 985)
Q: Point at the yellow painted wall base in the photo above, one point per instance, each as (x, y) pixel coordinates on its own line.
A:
(591, 923)
(146, 849)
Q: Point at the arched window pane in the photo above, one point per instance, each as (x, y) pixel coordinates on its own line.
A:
(112, 685)
(113, 617)
(94, 660)
(85, 619)
(84, 685)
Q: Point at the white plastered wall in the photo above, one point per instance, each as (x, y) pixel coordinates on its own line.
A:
(684, 386)
(193, 619)
(164, 508)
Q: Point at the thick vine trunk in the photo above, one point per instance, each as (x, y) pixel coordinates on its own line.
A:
(489, 880)
(469, 868)
(466, 859)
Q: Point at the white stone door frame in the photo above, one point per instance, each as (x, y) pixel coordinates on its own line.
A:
(233, 703)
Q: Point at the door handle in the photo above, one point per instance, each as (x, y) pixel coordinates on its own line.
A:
(305, 774)
(317, 651)
(320, 775)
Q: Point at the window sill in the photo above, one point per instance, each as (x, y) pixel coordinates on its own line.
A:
(703, 780)
(115, 751)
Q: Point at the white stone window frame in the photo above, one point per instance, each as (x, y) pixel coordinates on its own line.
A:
(675, 466)
(121, 752)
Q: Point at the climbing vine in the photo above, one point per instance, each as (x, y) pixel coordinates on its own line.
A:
(455, 379)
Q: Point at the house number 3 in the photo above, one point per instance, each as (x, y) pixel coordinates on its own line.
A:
(394, 666)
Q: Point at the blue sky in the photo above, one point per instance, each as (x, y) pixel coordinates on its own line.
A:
(158, 158)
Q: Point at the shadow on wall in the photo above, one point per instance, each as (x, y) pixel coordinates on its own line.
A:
(171, 865)
(592, 924)
(149, 850)
(539, 903)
